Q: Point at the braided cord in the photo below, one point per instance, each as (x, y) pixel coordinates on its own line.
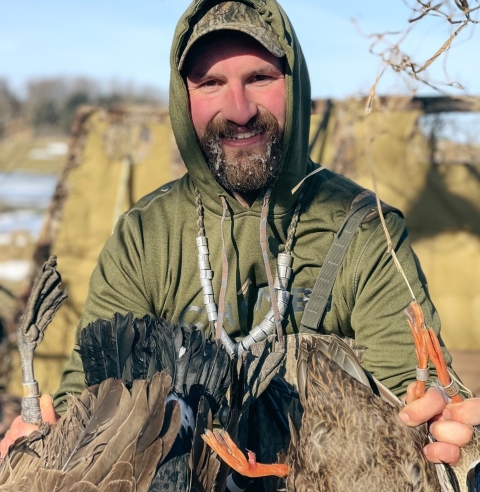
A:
(292, 228)
(199, 212)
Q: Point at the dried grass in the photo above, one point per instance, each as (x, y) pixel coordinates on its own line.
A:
(387, 46)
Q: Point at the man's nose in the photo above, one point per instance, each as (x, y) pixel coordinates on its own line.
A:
(238, 107)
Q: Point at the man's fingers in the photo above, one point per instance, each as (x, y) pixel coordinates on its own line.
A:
(451, 432)
(5, 444)
(410, 392)
(18, 429)
(441, 452)
(419, 411)
(48, 411)
(467, 412)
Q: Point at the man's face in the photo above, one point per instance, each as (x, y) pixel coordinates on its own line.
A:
(238, 104)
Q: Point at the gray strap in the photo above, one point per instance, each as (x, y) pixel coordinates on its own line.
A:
(318, 301)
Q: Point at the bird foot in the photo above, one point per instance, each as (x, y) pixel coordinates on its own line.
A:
(427, 347)
(226, 449)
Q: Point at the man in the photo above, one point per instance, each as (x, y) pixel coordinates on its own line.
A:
(240, 111)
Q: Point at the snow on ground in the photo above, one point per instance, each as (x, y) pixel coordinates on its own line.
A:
(19, 220)
(14, 270)
(26, 190)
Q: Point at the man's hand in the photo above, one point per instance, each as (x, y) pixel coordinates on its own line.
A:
(20, 428)
(450, 424)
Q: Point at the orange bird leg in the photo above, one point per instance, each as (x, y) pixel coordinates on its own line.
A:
(226, 449)
(416, 321)
(436, 356)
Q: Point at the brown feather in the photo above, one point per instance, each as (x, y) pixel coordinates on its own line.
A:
(351, 439)
(203, 462)
(103, 438)
(118, 486)
(84, 487)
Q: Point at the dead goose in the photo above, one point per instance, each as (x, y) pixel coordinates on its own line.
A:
(121, 429)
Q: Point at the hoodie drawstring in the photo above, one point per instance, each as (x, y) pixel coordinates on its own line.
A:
(223, 288)
(266, 263)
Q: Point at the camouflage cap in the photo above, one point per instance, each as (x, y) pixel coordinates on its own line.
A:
(237, 17)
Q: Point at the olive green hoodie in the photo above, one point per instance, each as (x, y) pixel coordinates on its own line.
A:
(149, 265)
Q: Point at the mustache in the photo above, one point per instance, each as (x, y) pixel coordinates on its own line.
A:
(262, 122)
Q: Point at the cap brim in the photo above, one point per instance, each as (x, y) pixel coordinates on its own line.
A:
(256, 32)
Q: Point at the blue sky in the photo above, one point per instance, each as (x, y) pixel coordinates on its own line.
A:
(129, 41)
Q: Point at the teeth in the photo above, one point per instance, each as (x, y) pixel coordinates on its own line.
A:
(243, 136)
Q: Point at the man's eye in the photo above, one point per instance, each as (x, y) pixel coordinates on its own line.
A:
(210, 83)
(261, 78)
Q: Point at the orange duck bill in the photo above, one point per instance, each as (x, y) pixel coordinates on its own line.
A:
(226, 449)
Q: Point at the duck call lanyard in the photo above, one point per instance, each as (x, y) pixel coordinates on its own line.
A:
(278, 288)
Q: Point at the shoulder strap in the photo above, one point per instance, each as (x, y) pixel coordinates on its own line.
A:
(361, 206)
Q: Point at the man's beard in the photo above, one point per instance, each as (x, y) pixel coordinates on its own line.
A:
(244, 170)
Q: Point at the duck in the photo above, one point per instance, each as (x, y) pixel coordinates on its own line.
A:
(351, 437)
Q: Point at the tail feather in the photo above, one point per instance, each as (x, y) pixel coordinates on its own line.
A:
(203, 462)
(121, 444)
(138, 348)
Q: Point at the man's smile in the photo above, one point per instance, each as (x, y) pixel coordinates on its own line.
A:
(245, 139)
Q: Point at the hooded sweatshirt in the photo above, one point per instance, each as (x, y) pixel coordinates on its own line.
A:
(149, 264)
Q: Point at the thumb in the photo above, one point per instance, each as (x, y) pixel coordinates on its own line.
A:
(48, 411)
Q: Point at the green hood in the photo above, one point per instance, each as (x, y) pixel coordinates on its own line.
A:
(297, 122)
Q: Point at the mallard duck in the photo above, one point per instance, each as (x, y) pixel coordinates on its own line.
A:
(351, 437)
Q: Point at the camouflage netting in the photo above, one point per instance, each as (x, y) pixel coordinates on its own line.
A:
(116, 157)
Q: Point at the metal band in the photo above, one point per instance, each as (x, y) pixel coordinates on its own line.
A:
(212, 316)
(207, 290)
(284, 271)
(30, 390)
(283, 296)
(270, 316)
(452, 389)
(281, 283)
(31, 410)
(422, 374)
(201, 241)
(204, 265)
(206, 282)
(211, 307)
(255, 335)
(227, 342)
(284, 259)
(267, 326)
(208, 299)
(206, 274)
(203, 257)
(202, 250)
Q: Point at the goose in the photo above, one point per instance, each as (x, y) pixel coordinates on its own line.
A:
(152, 389)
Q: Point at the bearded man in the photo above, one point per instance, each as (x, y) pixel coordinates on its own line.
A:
(240, 111)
